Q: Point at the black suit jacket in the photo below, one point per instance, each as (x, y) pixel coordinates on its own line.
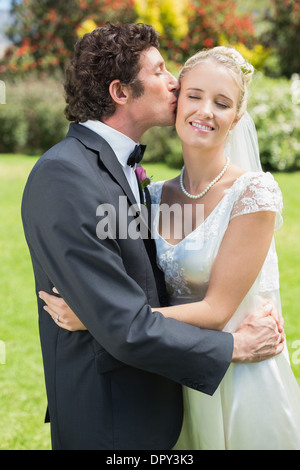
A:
(117, 385)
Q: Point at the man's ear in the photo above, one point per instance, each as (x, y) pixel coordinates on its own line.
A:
(118, 92)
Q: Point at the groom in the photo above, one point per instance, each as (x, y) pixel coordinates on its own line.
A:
(118, 384)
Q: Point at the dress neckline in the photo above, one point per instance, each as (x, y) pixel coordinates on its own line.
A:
(193, 232)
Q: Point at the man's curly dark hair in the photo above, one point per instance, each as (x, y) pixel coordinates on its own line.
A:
(111, 52)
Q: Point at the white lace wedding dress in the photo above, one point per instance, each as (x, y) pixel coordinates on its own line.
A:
(256, 406)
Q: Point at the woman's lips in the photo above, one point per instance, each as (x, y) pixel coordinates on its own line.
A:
(201, 127)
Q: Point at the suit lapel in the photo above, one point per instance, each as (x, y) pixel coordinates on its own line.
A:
(108, 158)
(151, 250)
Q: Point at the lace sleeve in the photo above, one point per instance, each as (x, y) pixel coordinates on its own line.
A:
(258, 192)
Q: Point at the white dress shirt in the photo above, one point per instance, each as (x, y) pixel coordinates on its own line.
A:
(122, 145)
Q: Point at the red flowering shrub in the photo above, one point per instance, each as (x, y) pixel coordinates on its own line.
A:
(208, 21)
(44, 31)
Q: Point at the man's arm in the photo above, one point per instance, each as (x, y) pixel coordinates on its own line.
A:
(259, 337)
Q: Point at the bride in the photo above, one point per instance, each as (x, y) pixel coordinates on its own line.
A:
(226, 264)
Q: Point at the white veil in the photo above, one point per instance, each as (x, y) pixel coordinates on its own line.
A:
(242, 148)
(242, 145)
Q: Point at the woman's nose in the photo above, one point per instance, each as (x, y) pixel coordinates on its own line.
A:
(205, 109)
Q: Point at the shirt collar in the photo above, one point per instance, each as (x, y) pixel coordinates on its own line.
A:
(121, 144)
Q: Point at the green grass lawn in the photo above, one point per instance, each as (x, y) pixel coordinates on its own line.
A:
(22, 391)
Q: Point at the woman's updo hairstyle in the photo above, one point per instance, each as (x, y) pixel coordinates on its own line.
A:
(240, 69)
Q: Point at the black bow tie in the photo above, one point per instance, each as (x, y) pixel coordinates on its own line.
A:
(137, 155)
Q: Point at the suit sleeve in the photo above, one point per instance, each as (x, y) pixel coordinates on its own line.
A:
(59, 216)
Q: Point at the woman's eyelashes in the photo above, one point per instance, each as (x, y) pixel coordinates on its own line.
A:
(218, 103)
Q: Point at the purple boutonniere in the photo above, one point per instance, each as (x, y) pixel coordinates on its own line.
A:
(142, 177)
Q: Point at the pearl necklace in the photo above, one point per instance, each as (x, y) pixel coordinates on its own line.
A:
(198, 196)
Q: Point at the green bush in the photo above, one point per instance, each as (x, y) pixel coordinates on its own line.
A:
(275, 110)
(282, 33)
(32, 120)
(163, 145)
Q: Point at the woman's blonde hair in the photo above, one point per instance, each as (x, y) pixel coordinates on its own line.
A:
(240, 69)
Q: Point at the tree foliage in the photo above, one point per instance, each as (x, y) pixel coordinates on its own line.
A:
(44, 31)
(209, 21)
(284, 34)
(168, 17)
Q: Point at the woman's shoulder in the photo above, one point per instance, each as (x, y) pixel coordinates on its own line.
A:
(255, 181)
(155, 190)
(255, 192)
(261, 179)
(168, 186)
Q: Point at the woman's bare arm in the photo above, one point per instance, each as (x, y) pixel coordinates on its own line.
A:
(237, 265)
